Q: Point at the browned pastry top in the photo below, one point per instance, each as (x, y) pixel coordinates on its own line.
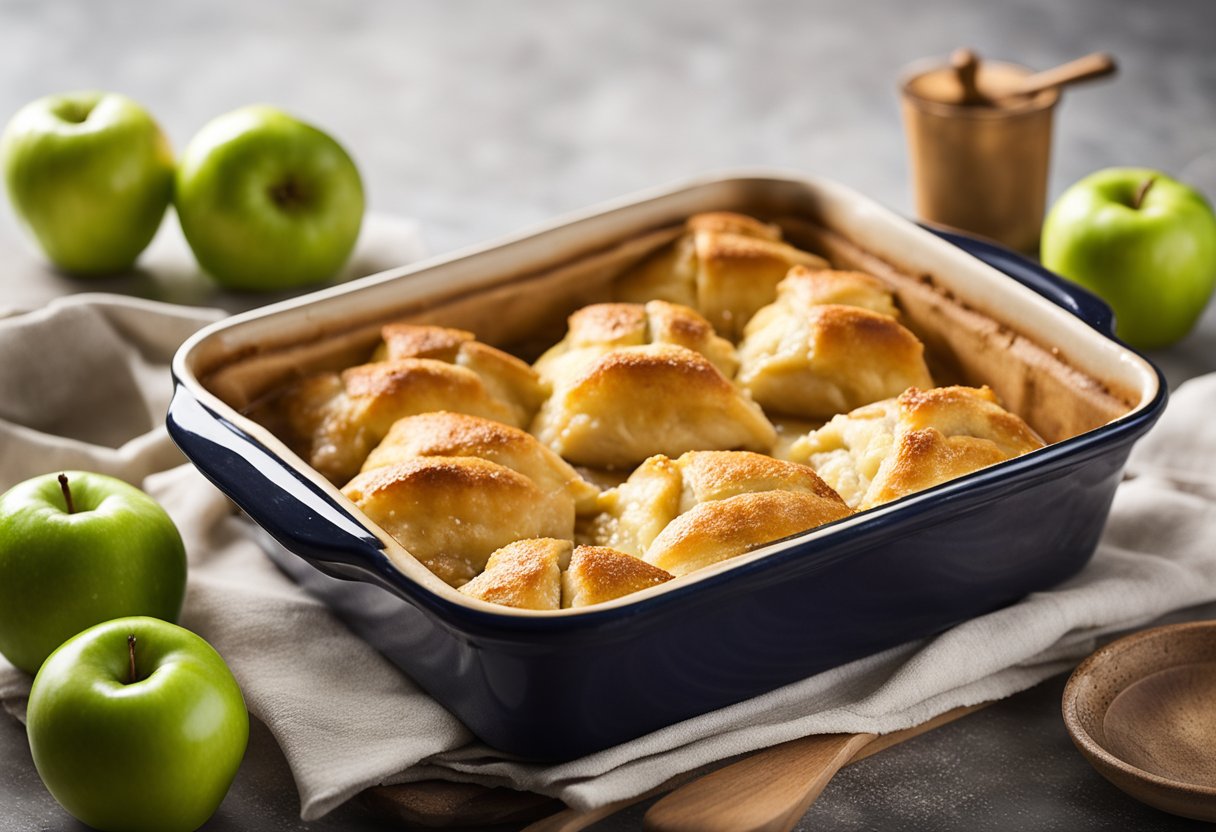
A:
(899, 446)
(726, 266)
(633, 402)
(687, 513)
(550, 574)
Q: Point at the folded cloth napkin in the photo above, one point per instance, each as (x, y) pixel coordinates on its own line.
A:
(346, 719)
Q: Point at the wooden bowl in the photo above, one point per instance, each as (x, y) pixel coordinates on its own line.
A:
(1143, 712)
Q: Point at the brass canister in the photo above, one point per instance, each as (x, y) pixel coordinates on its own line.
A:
(982, 167)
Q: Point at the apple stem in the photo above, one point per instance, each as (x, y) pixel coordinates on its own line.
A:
(131, 654)
(67, 493)
(1141, 192)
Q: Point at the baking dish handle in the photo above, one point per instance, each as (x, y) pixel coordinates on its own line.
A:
(1080, 302)
(295, 511)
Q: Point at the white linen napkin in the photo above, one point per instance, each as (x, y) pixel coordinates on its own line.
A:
(347, 719)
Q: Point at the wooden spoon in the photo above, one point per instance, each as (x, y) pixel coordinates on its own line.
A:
(772, 789)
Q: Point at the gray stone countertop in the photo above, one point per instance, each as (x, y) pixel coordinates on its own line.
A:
(480, 118)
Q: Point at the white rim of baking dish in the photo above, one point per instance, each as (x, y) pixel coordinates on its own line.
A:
(896, 239)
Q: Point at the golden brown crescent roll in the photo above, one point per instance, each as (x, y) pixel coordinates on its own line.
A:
(596, 329)
(815, 287)
(334, 419)
(724, 265)
(451, 513)
(548, 574)
(706, 506)
(506, 377)
(817, 361)
(598, 574)
(713, 532)
(634, 402)
(897, 447)
(457, 435)
(526, 574)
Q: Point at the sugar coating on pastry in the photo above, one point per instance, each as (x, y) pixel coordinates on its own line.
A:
(445, 433)
(601, 327)
(633, 402)
(724, 265)
(550, 574)
(815, 287)
(817, 361)
(713, 532)
(526, 574)
(335, 419)
(598, 574)
(451, 513)
(684, 514)
(506, 377)
(922, 438)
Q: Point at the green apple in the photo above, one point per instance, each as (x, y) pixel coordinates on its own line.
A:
(77, 549)
(1143, 242)
(90, 175)
(137, 725)
(268, 202)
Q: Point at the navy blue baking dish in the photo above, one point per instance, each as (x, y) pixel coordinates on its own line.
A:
(555, 686)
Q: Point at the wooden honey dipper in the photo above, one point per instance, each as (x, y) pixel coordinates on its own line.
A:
(995, 94)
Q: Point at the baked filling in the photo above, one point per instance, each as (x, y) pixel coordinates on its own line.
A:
(466, 455)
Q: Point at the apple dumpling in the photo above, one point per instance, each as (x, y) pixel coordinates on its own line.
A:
(889, 449)
(688, 513)
(725, 265)
(633, 402)
(448, 434)
(550, 574)
(602, 327)
(451, 513)
(334, 419)
(830, 343)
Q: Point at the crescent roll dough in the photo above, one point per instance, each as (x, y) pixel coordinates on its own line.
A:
(633, 402)
(828, 344)
(526, 574)
(897, 447)
(451, 513)
(815, 287)
(506, 377)
(601, 327)
(724, 265)
(334, 419)
(550, 574)
(707, 506)
(459, 435)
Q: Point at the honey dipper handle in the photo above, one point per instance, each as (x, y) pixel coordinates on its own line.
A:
(1094, 65)
(966, 64)
(766, 792)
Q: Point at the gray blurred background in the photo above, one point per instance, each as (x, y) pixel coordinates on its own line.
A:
(481, 117)
(478, 118)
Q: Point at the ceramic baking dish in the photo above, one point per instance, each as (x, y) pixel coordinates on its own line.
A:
(554, 685)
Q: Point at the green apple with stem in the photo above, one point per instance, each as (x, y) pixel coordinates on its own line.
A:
(137, 725)
(1143, 242)
(268, 202)
(77, 549)
(90, 174)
